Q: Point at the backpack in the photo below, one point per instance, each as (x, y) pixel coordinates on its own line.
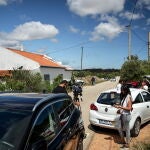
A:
(77, 89)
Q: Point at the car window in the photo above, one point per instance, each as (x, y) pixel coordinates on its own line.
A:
(138, 99)
(13, 124)
(109, 98)
(44, 128)
(146, 96)
(64, 109)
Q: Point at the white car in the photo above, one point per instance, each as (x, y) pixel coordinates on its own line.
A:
(104, 114)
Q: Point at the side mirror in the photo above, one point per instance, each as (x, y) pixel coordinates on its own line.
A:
(40, 145)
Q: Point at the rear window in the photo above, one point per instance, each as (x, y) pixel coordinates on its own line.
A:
(109, 98)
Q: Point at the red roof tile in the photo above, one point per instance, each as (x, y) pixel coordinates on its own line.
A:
(5, 73)
(41, 59)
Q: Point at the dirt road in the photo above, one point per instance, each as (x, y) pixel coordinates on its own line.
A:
(105, 139)
(90, 94)
(102, 139)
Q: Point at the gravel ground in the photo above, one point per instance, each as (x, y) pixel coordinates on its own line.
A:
(107, 140)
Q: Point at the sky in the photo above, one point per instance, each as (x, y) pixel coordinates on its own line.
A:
(81, 34)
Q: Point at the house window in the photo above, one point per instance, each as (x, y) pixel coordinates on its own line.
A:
(46, 77)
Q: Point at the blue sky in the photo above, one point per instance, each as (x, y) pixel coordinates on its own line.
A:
(60, 28)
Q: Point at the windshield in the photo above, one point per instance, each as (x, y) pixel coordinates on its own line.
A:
(13, 124)
(109, 98)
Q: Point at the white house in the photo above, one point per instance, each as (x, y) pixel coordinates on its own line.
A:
(49, 69)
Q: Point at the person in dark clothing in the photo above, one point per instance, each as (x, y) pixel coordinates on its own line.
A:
(92, 80)
(77, 91)
(61, 88)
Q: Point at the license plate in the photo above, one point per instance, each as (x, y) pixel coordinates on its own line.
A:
(105, 122)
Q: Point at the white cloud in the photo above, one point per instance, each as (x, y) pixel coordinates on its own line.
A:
(76, 30)
(29, 31)
(9, 43)
(144, 3)
(148, 21)
(6, 2)
(95, 7)
(54, 40)
(73, 29)
(34, 30)
(129, 15)
(3, 2)
(108, 30)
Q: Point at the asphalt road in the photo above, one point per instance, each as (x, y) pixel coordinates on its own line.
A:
(90, 94)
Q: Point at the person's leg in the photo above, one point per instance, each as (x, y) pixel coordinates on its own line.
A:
(127, 128)
(120, 130)
(81, 96)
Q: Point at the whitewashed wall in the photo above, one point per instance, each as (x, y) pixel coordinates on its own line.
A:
(10, 60)
(54, 72)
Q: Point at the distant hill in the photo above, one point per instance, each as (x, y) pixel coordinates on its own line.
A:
(100, 70)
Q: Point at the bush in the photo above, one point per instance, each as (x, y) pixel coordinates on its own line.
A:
(141, 146)
(2, 87)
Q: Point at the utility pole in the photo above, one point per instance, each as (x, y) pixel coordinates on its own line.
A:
(81, 57)
(148, 46)
(129, 41)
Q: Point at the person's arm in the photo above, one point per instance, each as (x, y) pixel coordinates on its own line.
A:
(77, 103)
(128, 107)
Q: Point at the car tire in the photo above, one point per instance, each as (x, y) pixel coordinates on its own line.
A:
(136, 129)
(94, 127)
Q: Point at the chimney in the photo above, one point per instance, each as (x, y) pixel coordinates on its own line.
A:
(21, 47)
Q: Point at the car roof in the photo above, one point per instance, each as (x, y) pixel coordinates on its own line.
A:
(134, 91)
(27, 101)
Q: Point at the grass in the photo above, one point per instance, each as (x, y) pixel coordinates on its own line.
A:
(141, 146)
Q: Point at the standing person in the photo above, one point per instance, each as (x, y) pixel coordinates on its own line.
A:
(61, 88)
(77, 90)
(119, 85)
(144, 86)
(92, 80)
(125, 114)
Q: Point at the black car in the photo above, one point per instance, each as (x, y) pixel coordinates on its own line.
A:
(39, 122)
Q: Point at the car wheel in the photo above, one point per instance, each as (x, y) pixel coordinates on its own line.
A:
(136, 129)
(94, 127)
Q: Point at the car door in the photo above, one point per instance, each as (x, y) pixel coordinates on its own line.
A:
(146, 97)
(43, 130)
(64, 109)
(139, 107)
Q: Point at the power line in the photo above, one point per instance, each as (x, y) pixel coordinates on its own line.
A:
(139, 37)
(133, 13)
(67, 48)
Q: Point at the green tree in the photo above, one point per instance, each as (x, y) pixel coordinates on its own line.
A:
(132, 70)
(57, 81)
(145, 67)
(133, 57)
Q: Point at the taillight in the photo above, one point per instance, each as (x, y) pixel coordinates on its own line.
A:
(93, 107)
